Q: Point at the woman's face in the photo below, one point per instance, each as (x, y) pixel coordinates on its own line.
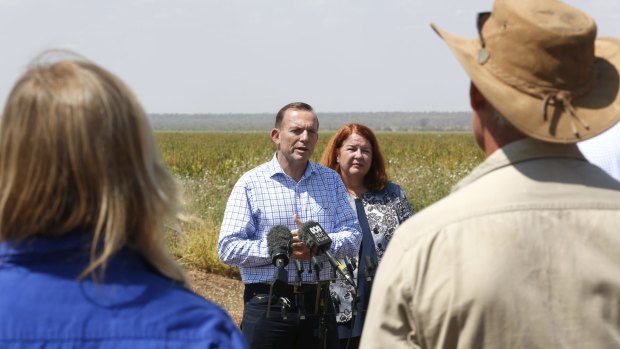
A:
(355, 157)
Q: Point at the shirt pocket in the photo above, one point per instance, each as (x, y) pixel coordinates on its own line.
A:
(321, 210)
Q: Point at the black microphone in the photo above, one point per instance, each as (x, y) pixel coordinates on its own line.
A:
(354, 263)
(279, 240)
(369, 270)
(299, 269)
(316, 267)
(316, 239)
(349, 264)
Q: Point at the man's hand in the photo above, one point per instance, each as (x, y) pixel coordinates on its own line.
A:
(300, 251)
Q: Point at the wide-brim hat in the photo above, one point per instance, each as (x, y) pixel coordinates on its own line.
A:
(539, 63)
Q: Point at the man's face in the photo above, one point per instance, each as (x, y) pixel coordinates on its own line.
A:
(296, 136)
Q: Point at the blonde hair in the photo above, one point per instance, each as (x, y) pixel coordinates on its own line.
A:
(77, 153)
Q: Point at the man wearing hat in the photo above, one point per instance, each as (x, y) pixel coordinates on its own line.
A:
(525, 251)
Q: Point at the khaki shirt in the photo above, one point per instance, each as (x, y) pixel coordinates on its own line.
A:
(525, 253)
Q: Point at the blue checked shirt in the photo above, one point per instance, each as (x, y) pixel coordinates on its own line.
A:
(265, 197)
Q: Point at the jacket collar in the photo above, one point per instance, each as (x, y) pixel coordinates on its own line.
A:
(522, 150)
(36, 247)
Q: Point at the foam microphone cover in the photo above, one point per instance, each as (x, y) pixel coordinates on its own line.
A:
(314, 237)
(279, 240)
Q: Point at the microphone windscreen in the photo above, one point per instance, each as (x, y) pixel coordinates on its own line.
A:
(314, 237)
(279, 239)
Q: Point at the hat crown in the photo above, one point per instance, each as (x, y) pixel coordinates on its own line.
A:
(540, 65)
(540, 46)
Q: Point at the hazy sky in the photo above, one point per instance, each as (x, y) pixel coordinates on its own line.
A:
(245, 56)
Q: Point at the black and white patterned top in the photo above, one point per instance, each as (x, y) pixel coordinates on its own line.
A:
(384, 211)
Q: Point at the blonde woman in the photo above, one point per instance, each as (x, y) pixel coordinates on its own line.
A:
(83, 197)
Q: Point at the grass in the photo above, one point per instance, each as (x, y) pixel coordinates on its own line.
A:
(425, 165)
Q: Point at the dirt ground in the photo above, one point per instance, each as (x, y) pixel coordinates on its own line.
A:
(222, 290)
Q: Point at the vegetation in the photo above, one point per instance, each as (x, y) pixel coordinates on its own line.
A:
(378, 121)
(426, 165)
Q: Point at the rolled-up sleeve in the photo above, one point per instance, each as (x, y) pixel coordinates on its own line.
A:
(239, 244)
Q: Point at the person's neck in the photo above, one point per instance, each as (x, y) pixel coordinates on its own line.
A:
(496, 140)
(355, 186)
(293, 170)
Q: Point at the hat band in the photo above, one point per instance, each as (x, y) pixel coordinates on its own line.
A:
(558, 98)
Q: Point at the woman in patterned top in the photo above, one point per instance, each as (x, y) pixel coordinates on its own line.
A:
(381, 207)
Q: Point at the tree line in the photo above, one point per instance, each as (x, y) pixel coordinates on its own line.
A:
(260, 122)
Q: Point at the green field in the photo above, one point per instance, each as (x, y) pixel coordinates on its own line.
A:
(207, 165)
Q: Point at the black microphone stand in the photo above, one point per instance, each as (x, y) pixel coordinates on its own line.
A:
(369, 270)
(316, 267)
(299, 296)
(280, 280)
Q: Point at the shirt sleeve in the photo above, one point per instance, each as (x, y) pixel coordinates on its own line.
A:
(403, 208)
(346, 235)
(389, 322)
(239, 244)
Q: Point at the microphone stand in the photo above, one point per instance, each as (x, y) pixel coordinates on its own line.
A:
(332, 275)
(280, 279)
(322, 330)
(299, 296)
(369, 270)
(350, 266)
(299, 270)
(316, 266)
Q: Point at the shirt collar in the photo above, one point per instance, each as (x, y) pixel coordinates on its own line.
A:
(522, 150)
(26, 249)
(274, 168)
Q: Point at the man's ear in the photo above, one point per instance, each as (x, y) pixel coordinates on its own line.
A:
(476, 99)
(275, 136)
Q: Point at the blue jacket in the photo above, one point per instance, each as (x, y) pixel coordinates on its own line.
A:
(42, 305)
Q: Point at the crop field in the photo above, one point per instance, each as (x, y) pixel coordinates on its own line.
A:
(425, 165)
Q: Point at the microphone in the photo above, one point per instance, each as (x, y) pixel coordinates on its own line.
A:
(299, 270)
(349, 264)
(279, 240)
(354, 263)
(316, 239)
(370, 268)
(316, 267)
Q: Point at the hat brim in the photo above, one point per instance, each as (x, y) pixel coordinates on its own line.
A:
(599, 108)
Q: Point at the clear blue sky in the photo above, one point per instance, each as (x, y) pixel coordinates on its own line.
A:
(245, 56)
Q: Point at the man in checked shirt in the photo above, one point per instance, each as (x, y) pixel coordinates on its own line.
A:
(287, 190)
